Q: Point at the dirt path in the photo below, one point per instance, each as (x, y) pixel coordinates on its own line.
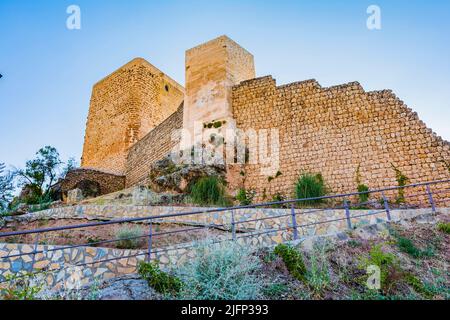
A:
(93, 235)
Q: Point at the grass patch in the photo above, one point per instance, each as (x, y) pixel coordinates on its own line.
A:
(407, 246)
(275, 290)
(130, 237)
(209, 191)
(444, 227)
(310, 186)
(318, 274)
(418, 286)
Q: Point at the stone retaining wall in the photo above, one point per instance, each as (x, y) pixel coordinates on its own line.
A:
(64, 262)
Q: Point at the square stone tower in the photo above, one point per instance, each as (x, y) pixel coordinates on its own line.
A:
(125, 106)
(212, 69)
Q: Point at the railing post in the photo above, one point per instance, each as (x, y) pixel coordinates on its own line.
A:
(294, 222)
(150, 236)
(430, 198)
(36, 243)
(233, 225)
(347, 214)
(386, 206)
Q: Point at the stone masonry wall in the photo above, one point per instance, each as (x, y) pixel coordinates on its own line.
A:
(125, 106)
(334, 130)
(108, 182)
(86, 264)
(153, 147)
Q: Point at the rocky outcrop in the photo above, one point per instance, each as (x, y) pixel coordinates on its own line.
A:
(130, 287)
(166, 176)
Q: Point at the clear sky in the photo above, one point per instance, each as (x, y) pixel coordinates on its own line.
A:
(48, 70)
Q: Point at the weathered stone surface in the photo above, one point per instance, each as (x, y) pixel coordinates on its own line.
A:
(122, 288)
(74, 196)
(166, 176)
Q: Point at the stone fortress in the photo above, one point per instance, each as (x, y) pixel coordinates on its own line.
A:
(138, 115)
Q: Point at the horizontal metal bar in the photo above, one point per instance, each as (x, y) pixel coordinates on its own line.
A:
(262, 219)
(368, 214)
(109, 241)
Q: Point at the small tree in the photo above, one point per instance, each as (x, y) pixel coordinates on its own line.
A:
(40, 173)
(6, 187)
(71, 164)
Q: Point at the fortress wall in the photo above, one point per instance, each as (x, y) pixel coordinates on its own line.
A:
(153, 147)
(124, 107)
(334, 130)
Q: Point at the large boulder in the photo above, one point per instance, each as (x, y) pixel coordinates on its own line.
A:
(142, 196)
(166, 176)
(74, 196)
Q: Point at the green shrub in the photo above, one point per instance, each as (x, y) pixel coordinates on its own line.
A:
(444, 227)
(125, 232)
(352, 243)
(418, 286)
(209, 191)
(388, 264)
(293, 260)
(222, 271)
(245, 197)
(402, 181)
(43, 203)
(361, 187)
(318, 275)
(438, 284)
(161, 281)
(271, 178)
(407, 246)
(310, 186)
(21, 286)
(278, 197)
(363, 197)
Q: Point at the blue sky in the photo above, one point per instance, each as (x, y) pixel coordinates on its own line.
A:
(48, 70)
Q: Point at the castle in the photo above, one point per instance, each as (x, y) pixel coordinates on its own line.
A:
(138, 115)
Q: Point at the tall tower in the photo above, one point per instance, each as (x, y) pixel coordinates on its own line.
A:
(212, 69)
(125, 106)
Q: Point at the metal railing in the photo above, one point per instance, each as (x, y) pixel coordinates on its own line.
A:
(435, 194)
